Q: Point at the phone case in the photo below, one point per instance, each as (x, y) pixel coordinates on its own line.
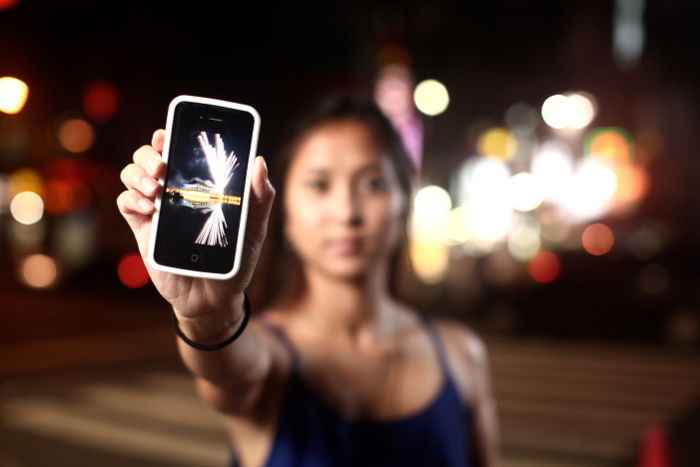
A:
(246, 189)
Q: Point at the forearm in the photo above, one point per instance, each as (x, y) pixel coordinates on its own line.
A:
(243, 362)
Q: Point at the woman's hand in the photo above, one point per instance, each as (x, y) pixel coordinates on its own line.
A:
(192, 297)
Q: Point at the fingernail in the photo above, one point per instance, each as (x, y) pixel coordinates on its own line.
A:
(148, 184)
(264, 165)
(145, 204)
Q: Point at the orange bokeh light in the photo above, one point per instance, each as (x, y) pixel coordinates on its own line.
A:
(544, 267)
(7, 4)
(100, 101)
(610, 145)
(597, 239)
(76, 135)
(131, 271)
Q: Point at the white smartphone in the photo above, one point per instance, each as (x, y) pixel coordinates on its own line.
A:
(198, 227)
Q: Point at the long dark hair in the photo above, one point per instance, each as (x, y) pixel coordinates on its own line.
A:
(278, 276)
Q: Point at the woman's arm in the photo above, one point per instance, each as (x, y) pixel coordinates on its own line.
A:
(485, 437)
(208, 311)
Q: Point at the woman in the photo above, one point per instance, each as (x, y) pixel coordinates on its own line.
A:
(333, 369)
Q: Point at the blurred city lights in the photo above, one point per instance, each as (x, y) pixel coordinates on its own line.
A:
(524, 241)
(597, 239)
(525, 192)
(429, 260)
(628, 32)
(609, 145)
(456, 230)
(431, 97)
(553, 167)
(574, 110)
(76, 135)
(131, 271)
(7, 4)
(38, 271)
(590, 195)
(66, 195)
(27, 207)
(100, 100)
(431, 204)
(544, 267)
(521, 118)
(13, 95)
(74, 239)
(497, 142)
(25, 179)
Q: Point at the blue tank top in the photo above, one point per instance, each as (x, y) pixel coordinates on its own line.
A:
(312, 434)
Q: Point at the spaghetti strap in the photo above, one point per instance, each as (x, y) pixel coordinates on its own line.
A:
(436, 339)
(282, 336)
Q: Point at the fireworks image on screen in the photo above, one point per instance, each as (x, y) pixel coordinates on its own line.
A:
(209, 195)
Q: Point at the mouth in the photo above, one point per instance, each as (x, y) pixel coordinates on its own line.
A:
(345, 246)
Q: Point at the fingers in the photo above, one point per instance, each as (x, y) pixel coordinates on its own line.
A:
(132, 203)
(150, 160)
(158, 139)
(135, 178)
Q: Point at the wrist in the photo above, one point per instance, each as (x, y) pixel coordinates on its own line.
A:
(215, 326)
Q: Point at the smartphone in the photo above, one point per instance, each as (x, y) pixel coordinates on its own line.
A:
(198, 227)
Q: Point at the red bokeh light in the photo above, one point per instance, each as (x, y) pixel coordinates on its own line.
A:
(597, 239)
(544, 267)
(7, 4)
(100, 101)
(131, 271)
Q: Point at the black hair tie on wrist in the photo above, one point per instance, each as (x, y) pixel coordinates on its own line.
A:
(246, 317)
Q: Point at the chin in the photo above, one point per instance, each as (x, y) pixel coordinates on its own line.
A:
(350, 269)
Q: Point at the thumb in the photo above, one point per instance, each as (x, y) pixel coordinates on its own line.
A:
(261, 199)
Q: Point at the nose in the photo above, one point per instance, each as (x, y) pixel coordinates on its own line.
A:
(346, 207)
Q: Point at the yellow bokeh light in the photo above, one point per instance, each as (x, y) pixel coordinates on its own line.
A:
(76, 135)
(431, 204)
(430, 260)
(25, 179)
(497, 142)
(13, 94)
(27, 207)
(431, 97)
(38, 271)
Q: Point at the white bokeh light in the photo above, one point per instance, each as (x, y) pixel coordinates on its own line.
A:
(27, 207)
(431, 97)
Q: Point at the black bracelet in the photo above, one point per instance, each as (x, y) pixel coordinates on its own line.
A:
(246, 317)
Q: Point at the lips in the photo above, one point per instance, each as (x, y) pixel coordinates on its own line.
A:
(345, 246)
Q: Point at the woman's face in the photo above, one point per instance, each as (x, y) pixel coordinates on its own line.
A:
(343, 203)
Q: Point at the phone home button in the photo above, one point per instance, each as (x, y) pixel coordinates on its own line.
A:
(194, 257)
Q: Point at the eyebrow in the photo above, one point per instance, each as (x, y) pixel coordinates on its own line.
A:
(365, 168)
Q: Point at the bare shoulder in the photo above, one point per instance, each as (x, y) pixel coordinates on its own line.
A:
(462, 339)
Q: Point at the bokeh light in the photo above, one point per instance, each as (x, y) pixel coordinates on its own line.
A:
(553, 167)
(497, 142)
(131, 271)
(431, 204)
(100, 100)
(524, 241)
(27, 207)
(430, 260)
(591, 192)
(7, 4)
(544, 267)
(66, 195)
(609, 145)
(525, 192)
(38, 271)
(573, 110)
(13, 94)
(431, 97)
(25, 179)
(76, 135)
(597, 239)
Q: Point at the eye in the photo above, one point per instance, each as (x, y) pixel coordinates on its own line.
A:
(317, 185)
(374, 184)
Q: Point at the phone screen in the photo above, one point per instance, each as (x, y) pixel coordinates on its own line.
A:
(200, 209)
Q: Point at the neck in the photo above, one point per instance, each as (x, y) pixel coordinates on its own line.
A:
(355, 312)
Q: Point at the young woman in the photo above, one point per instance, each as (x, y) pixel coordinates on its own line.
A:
(333, 369)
